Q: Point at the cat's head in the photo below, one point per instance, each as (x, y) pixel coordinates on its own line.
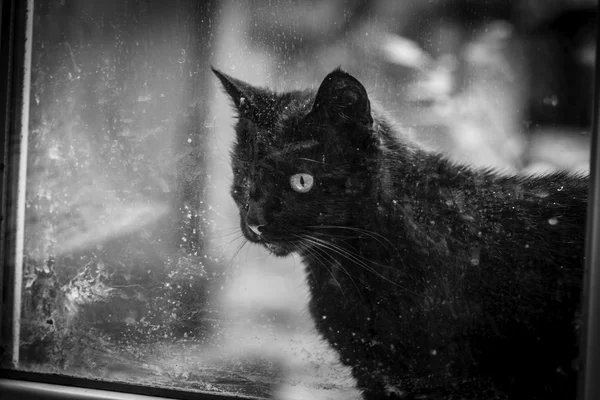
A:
(302, 161)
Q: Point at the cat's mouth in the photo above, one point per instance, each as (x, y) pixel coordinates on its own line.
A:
(280, 250)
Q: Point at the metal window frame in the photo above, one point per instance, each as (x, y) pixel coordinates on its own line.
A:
(13, 27)
(589, 384)
(14, 24)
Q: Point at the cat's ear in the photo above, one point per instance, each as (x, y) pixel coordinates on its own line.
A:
(251, 102)
(343, 99)
(239, 92)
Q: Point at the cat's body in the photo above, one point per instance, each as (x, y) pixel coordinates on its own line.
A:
(431, 280)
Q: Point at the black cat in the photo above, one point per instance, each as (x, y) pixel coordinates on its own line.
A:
(432, 280)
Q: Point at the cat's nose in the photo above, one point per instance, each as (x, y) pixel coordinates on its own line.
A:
(256, 229)
(255, 219)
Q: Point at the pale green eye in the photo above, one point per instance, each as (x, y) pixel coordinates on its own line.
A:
(302, 183)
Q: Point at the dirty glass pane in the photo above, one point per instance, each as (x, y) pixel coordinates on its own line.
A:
(135, 266)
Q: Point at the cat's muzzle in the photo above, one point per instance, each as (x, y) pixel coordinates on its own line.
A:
(256, 234)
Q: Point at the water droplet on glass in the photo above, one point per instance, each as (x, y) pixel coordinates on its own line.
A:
(474, 256)
(551, 101)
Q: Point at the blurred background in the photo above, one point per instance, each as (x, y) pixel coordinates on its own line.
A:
(135, 267)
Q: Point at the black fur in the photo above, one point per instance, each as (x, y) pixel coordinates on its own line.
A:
(432, 280)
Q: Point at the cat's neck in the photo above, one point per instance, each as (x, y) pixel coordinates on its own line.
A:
(405, 170)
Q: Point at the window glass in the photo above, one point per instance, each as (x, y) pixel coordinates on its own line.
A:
(135, 268)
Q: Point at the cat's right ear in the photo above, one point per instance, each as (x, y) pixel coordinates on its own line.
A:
(241, 93)
(343, 99)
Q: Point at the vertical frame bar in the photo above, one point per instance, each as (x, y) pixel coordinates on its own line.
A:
(15, 68)
(22, 181)
(589, 379)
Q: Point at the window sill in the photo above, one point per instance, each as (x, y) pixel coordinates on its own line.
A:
(26, 385)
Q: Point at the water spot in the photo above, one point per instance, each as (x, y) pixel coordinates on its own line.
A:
(181, 59)
(474, 256)
(467, 217)
(393, 390)
(551, 101)
(54, 153)
(553, 221)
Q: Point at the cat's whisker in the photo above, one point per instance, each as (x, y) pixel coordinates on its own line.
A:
(230, 250)
(372, 234)
(319, 250)
(235, 239)
(318, 247)
(357, 259)
(339, 250)
(240, 247)
(223, 217)
(354, 254)
(233, 232)
(320, 162)
(341, 236)
(362, 262)
(220, 237)
(315, 255)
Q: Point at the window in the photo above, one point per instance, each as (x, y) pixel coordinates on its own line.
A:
(122, 264)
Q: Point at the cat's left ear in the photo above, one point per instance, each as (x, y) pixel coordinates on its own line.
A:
(343, 99)
(251, 102)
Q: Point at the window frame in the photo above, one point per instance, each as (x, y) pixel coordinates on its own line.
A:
(589, 384)
(14, 25)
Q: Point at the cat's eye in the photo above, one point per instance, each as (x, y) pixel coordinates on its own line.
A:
(302, 182)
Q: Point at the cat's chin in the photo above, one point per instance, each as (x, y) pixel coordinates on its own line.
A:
(278, 249)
